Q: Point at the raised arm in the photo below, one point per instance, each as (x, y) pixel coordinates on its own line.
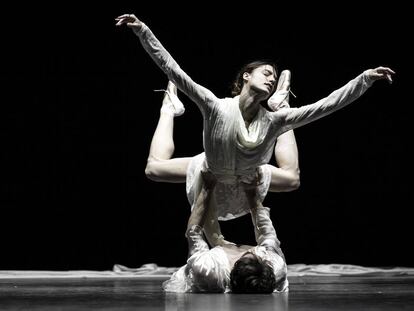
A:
(264, 231)
(199, 94)
(202, 205)
(295, 117)
(199, 214)
(212, 230)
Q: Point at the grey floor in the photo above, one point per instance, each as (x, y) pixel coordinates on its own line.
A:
(306, 293)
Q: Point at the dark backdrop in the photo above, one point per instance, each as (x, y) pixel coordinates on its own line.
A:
(78, 113)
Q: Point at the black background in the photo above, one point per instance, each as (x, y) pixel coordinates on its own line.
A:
(78, 113)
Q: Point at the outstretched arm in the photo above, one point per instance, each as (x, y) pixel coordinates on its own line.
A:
(204, 213)
(291, 118)
(263, 227)
(212, 228)
(199, 94)
(198, 216)
(264, 230)
(202, 205)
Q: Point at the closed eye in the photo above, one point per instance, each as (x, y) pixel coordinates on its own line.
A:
(267, 72)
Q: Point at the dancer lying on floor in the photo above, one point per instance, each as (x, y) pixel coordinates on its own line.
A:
(226, 266)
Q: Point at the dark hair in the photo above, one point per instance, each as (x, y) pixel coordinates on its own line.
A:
(238, 82)
(252, 275)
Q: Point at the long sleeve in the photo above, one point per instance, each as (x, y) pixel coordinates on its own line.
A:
(196, 221)
(264, 231)
(296, 117)
(195, 239)
(199, 94)
(212, 229)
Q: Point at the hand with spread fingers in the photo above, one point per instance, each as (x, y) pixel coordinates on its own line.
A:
(130, 20)
(381, 73)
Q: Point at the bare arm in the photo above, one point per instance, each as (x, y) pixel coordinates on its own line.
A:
(201, 207)
(198, 216)
(212, 228)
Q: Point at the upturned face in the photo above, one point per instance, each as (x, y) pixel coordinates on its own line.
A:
(261, 80)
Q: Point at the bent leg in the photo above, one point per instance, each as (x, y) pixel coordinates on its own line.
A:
(160, 167)
(285, 177)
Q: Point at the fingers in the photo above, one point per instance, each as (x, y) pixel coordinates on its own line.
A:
(128, 19)
(120, 21)
(253, 184)
(382, 73)
(385, 70)
(124, 16)
(389, 79)
(385, 73)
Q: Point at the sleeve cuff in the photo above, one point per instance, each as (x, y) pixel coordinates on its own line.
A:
(366, 78)
(140, 31)
(195, 229)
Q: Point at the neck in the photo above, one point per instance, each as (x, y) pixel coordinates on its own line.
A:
(249, 105)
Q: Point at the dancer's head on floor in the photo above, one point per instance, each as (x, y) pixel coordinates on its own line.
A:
(251, 274)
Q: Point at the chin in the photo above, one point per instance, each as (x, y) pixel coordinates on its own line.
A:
(266, 94)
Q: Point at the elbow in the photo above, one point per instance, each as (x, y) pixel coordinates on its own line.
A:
(165, 171)
(293, 182)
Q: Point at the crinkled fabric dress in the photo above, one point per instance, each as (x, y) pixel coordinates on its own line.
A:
(232, 151)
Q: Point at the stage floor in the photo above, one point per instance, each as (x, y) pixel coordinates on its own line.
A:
(144, 293)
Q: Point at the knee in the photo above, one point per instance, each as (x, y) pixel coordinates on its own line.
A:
(151, 170)
(295, 180)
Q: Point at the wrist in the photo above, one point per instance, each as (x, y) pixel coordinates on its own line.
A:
(367, 77)
(138, 29)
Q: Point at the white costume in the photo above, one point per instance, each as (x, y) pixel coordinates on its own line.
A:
(208, 270)
(233, 152)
